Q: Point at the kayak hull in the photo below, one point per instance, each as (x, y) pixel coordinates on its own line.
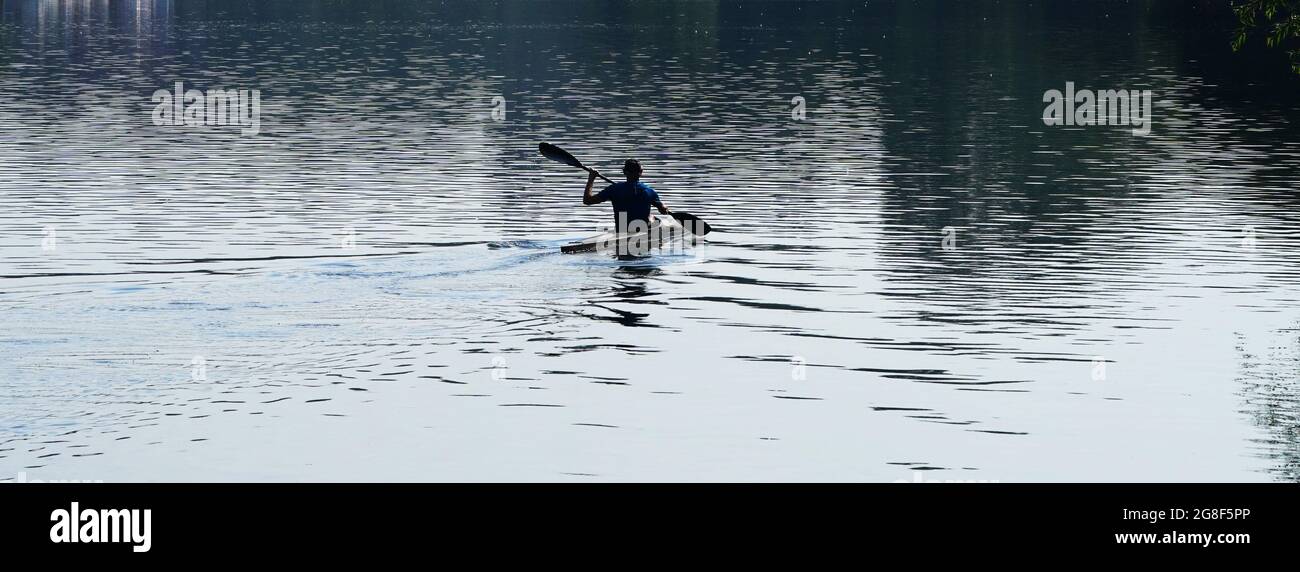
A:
(634, 244)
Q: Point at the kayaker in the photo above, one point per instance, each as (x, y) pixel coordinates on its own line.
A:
(631, 199)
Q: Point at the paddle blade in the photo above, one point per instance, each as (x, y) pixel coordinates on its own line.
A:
(692, 223)
(557, 154)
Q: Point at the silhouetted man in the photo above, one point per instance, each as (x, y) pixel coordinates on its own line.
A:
(631, 199)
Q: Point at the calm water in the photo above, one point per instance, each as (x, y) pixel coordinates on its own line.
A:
(182, 304)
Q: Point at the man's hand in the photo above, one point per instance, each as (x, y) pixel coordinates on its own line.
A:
(587, 197)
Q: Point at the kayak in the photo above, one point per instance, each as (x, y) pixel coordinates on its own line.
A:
(635, 244)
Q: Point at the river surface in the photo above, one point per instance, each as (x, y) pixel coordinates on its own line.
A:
(912, 277)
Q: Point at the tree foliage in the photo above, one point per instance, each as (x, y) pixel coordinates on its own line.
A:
(1277, 20)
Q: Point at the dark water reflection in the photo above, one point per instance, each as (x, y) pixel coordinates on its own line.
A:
(1113, 307)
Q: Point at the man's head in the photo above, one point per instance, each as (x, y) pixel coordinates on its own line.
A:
(632, 169)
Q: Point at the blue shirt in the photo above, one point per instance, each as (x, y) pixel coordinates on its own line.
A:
(635, 200)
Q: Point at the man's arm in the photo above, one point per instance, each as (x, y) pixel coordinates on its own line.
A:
(663, 209)
(587, 197)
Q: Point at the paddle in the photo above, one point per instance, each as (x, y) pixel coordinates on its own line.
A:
(689, 221)
(692, 223)
(557, 154)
